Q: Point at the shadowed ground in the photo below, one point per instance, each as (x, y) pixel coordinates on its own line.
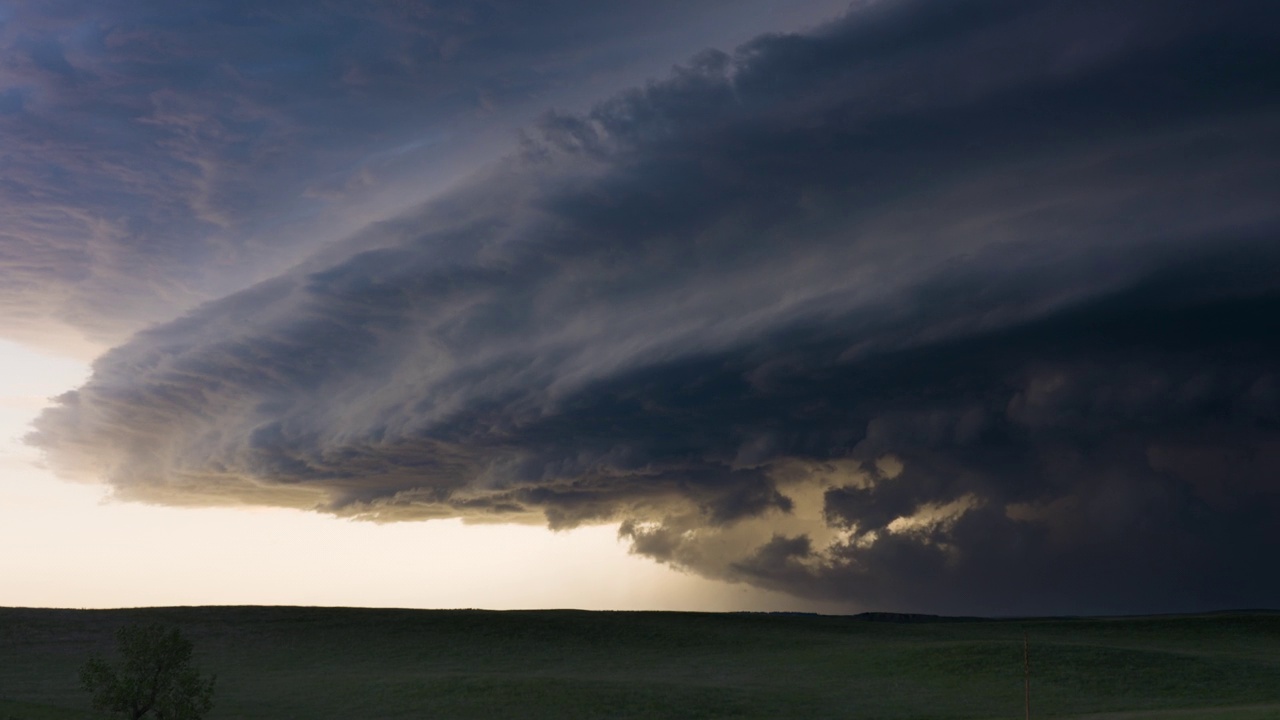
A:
(342, 663)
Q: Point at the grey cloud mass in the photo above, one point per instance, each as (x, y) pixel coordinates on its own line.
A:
(967, 307)
(157, 155)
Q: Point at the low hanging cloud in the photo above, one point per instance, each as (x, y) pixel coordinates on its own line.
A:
(961, 307)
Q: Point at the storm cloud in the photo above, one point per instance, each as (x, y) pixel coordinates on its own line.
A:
(949, 306)
(159, 155)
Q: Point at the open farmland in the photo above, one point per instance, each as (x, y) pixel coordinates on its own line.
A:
(282, 662)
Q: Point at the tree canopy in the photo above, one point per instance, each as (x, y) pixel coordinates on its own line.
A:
(154, 679)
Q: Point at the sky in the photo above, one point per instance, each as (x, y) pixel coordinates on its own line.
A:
(965, 307)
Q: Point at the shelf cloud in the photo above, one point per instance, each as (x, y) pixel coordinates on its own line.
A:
(944, 306)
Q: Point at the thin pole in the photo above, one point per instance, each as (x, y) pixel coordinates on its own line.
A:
(1026, 673)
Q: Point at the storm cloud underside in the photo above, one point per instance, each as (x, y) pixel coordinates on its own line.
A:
(960, 307)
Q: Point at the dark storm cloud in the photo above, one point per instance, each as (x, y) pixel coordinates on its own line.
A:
(962, 306)
(158, 155)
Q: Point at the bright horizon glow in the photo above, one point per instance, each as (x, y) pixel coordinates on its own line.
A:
(69, 545)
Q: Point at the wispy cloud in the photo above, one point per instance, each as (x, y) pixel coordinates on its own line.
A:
(159, 155)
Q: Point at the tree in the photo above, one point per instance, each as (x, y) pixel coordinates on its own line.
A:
(154, 679)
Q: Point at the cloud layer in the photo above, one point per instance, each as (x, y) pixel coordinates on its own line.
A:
(964, 307)
(159, 155)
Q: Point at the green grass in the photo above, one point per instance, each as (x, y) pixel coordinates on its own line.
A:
(316, 663)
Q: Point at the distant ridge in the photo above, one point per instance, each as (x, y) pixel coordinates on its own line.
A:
(895, 617)
(877, 616)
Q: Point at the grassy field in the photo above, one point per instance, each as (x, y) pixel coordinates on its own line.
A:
(314, 663)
